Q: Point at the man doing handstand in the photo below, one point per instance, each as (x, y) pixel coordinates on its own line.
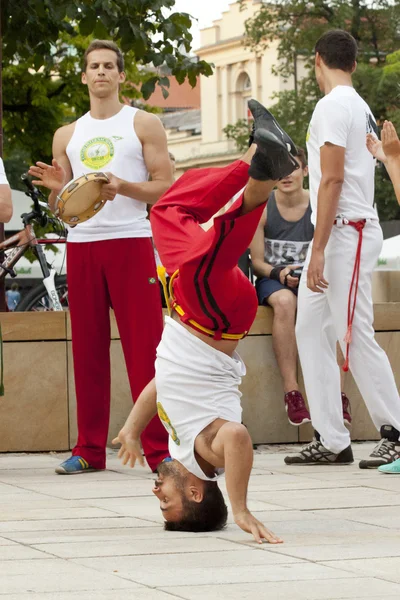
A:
(198, 372)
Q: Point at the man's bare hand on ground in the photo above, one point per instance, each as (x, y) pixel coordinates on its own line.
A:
(50, 176)
(286, 279)
(246, 521)
(130, 451)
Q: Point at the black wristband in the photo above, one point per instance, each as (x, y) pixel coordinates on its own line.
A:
(276, 272)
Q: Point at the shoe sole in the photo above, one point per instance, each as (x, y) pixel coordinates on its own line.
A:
(273, 124)
(315, 464)
(267, 142)
(61, 471)
(304, 422)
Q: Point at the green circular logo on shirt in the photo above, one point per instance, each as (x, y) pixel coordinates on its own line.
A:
(97, 153)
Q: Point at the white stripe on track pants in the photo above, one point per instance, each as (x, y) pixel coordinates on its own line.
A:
(322, 320)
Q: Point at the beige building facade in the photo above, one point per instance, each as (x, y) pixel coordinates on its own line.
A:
(239, 74)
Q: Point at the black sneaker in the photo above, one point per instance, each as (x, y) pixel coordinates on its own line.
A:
(386, 451)
(265, 120)
(272, 160)
(315, 453)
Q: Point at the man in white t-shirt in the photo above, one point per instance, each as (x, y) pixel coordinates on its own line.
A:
(6, 209)
(335, 296)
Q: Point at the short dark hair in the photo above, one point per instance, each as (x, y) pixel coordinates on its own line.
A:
(338, 49)
(301, 155)
(104, 45)
(208, 515)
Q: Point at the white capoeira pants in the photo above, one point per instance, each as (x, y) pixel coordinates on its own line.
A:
(322, 321)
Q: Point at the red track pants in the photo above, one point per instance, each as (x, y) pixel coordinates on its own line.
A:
(210, 288)
(120, 273)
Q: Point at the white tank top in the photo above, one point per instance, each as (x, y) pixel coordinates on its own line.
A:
(196, 384)
(110, 145)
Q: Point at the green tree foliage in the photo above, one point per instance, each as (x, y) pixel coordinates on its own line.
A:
(295, 25)
(43, 45)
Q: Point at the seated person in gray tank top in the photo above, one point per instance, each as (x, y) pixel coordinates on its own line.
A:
(278, 252)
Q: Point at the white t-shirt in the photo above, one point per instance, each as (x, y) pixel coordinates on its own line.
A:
(196, 384)
(3, 176)
(343, 118)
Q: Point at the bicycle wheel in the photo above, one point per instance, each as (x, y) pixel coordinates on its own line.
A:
(38, 300)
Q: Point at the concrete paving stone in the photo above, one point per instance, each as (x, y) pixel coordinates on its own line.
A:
(50, 575)
(19, 461)
(330, 589)
(227, 558)
(125, 488)
(36, 501)
(383, 568)
(7, 489)
(27, 476)
(50, 513)
(120, 534)
(311, 470)
(145, 508)
(349, 550)
(164, 575)
(148, 546)
(311, 533)
(6, 542)
(140, 593)
(77, 523)
(387, 516)
(20, 552)
(333, 498)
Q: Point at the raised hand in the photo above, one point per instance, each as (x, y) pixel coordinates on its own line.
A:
(375, 148)
(130, 451)
(390, 140)
(246, 521)
(51, 176)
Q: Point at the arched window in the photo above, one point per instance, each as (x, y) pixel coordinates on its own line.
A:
(243, 94)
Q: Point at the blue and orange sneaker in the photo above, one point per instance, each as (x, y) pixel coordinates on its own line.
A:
(74, 465)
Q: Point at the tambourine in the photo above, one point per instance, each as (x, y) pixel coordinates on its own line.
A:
(80, 199)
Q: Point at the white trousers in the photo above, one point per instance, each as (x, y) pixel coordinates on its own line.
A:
(322, 321)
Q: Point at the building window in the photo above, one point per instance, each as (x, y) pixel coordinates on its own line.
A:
(243, 94)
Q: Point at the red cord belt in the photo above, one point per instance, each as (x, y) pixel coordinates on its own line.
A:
(351, 305)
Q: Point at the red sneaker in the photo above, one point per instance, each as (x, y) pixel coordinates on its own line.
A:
(346, 409)
(296, 408)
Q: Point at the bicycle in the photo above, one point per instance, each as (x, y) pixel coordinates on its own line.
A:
(52, 293)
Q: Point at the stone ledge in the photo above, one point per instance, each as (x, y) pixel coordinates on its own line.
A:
(35, 326)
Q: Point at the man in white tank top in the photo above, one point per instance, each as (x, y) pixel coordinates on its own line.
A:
(110, 257)
(335, 292)
(6, 209)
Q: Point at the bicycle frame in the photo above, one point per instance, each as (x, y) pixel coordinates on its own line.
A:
(18, 244)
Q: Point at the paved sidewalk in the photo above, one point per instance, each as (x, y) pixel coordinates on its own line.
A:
(99, 536)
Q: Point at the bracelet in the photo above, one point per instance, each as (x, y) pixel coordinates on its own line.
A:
(276, 272)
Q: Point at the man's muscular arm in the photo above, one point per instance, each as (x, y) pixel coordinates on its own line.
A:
(261, 268)
(144, 410)
(332, 170)
(6, 208)
(151, 133)
(233, 442)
